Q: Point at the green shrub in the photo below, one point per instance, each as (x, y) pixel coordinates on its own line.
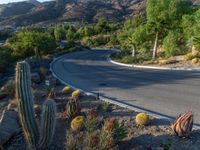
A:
(197, 42)
(131, 59)
(170, 45)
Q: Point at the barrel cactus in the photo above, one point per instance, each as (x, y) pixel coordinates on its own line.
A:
(76, 94)
(26, 110)
(77, 123)
(142, 119)
(183, 124)
(67, 89)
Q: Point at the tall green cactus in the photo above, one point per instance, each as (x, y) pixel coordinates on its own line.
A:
(26, 110)
(26, 105)
(48, 123)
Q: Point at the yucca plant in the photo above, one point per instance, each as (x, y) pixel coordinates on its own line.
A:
(183, 124)
(27, 114)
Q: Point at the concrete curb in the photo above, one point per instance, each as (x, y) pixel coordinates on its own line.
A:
(152, 67)
(120, 104)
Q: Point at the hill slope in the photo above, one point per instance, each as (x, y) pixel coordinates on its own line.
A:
(33, 12)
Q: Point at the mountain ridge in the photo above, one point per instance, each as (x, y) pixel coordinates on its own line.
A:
(52, 12)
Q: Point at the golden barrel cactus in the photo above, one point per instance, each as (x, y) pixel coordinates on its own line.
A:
(142, 119)
(66, 89)
(77, 123)
(183, 124)
(76, 94)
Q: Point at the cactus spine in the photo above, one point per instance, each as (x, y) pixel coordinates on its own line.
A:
(48, 123)
(25, 99)
(26, 110)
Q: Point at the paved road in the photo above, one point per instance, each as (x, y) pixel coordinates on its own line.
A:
(166, 93)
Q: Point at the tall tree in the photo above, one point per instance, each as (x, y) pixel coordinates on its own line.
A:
(163, 15)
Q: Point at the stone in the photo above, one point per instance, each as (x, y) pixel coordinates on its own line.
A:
(9, 125)
(35, 78)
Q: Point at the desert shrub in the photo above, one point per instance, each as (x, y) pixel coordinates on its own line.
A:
(130, 59)
(87, 41)
(189, 56)
(105, 106)
(111, 132)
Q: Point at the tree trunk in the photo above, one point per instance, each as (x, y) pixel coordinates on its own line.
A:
(133, 51)
(155, 46)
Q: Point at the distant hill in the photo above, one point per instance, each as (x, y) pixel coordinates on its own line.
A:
(34, 12)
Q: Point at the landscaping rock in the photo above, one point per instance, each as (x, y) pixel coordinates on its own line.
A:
(35, 77)
(9, 126)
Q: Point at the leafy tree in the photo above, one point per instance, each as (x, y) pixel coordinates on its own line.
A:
(197, 42)
(71, 34)
(59, 33)
(134, 22)
(25, 44)
(191, 27)
(138, 37)
(102, 26)
(163, 15)
(170, 44)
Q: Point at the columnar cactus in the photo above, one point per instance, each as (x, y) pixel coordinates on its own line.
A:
(25, 100)
(48, 123)
(26, 110)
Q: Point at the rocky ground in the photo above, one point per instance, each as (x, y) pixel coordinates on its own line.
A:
(157, 135)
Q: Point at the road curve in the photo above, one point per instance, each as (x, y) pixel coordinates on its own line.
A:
(161, 92)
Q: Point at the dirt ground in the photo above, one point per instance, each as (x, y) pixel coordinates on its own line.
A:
(157, 134)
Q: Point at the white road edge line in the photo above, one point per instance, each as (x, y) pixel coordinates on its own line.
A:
(109, 100)
(149, 67)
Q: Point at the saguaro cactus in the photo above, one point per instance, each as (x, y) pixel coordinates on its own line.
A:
(25, 100)
(26, 110)
(48, 123)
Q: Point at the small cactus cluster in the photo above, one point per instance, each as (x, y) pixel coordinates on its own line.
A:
(27, 114)
(142, 119)
(73, 108)
(183, 124)
(77, 123)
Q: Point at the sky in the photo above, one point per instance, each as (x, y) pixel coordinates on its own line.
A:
(9, 1)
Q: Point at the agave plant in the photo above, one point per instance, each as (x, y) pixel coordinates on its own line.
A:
(183, 124)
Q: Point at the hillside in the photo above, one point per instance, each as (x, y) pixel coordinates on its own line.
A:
(88, 11)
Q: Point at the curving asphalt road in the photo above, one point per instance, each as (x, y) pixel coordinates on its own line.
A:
(166, 93)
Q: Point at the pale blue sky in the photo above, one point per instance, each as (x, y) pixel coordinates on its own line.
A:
(9, 1)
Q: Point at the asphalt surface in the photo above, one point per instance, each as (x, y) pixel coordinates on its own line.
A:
(166, 93)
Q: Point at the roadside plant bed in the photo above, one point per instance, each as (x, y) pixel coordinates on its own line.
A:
(189, 60)
(101, 125)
